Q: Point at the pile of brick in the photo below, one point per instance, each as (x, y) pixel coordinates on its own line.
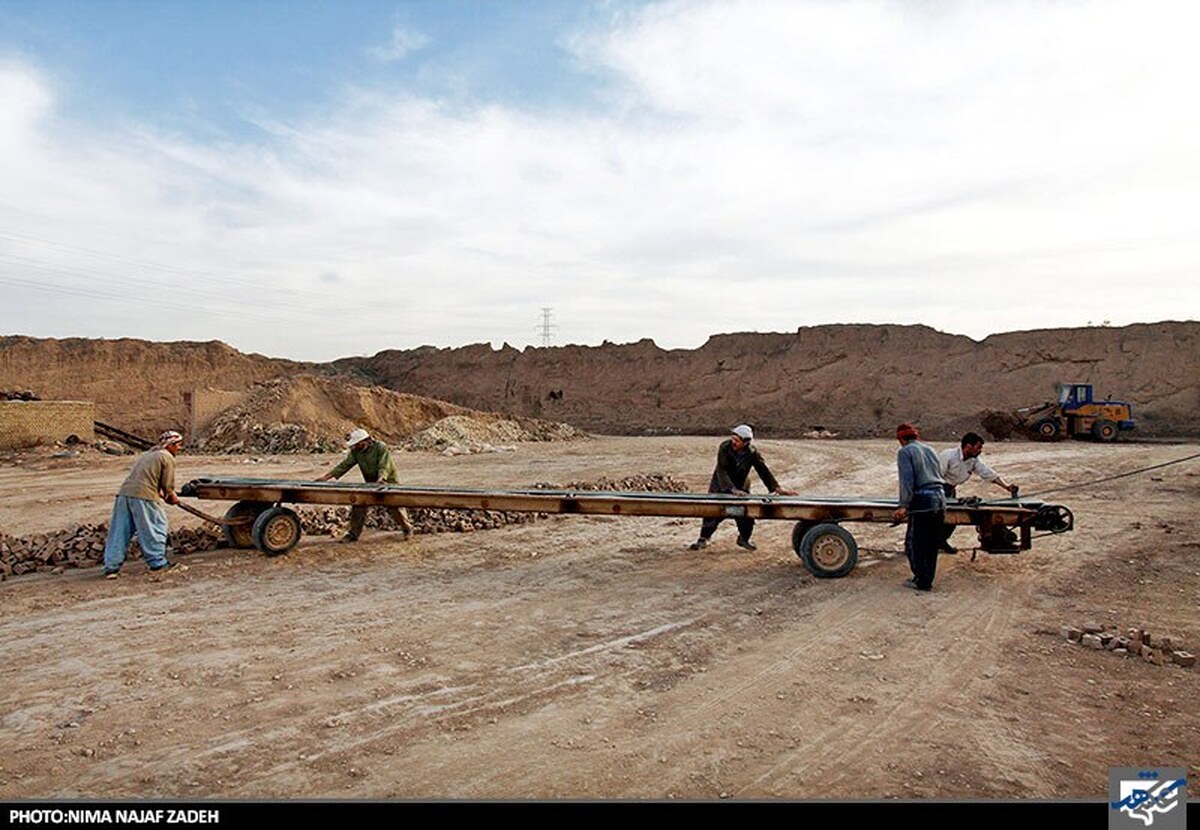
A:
(81, 546)
(630, 484)
(1134, 642)
(329, 521)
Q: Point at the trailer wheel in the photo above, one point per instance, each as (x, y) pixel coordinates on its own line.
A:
(802, 527)
(1104, 430)
(1046, 429)
(276, 531)
(241, 536)
(828, 551)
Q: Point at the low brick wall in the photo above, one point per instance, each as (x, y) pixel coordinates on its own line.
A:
(29, 423)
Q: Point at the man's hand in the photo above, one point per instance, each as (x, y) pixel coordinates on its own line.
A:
(782, 491)
(171, 498)
(901, 514)
(325, 477)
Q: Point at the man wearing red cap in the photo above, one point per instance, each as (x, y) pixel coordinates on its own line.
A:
(922, 503)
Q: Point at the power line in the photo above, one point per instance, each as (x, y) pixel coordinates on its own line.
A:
(546, 326)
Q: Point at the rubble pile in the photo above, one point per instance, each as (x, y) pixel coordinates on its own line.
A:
(630, 484)
(14, 395)
(1000, 425)
(465, 434)
(81, 546)
(304, 414)
(1159, 649)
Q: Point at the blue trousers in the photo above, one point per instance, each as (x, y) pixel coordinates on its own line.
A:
(926, 514)
(146, 518)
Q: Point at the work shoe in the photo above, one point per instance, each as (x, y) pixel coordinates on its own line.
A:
(699, 544)
(111, 574)
(747, 544)
(908, 583)
(169, 566)
(347, 539)
(406, 534)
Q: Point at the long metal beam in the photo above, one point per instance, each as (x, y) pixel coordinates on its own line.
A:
(596, 502)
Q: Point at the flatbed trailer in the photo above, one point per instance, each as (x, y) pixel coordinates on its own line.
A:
(259, 519)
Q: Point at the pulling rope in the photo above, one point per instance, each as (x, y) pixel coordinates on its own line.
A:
(1119, 475)
(1077, 486)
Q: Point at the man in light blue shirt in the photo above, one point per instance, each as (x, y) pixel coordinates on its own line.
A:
(922, 504)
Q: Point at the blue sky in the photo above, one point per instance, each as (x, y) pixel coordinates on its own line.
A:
(313, 180)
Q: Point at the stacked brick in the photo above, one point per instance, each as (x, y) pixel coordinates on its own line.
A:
(1159, 649)
(31, 423)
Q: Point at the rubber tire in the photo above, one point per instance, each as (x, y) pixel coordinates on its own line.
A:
(277, 531)
(828, 551)
(242, 535)
(1104, 430)
(1047, 430)
(802, 527)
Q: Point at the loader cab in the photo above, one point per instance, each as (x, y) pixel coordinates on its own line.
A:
(1074, 395)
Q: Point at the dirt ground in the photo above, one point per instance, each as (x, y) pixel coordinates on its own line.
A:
(598, 657)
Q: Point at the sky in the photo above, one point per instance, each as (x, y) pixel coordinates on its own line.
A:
(315, 180)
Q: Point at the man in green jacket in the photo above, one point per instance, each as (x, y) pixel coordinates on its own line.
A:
(374, 460)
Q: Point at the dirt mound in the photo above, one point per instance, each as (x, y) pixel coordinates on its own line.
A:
(856, 380)
(312, 414)
(481, 432)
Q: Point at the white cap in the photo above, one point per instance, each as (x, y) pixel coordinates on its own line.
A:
(744, 432)
(357, 435)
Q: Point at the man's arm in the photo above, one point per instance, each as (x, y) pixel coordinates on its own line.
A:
(340, 469)
(768, 478)
(904, 470)
(166, 481)
(988, 474)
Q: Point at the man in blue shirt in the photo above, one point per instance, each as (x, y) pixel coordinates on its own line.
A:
(922, 503)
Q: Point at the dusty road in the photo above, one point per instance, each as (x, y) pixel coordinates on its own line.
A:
(597, 657)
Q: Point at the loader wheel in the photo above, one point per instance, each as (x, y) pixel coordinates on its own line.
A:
(276, 531)
(1046, 429)
(1104, 430)
(802, 527)
(828, 551)
(241, 536)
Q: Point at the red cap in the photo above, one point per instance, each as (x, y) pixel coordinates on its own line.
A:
(907, 431)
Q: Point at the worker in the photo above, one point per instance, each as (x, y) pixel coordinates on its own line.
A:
(374, 460)
(735, 459)
(137, 508)
(958, 464)
(922, 504)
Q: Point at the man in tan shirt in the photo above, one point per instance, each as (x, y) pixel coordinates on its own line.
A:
(137, 507)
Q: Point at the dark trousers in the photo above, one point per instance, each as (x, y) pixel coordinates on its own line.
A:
(926, 514)
(358, 517)
(951, 492)
(709, 526)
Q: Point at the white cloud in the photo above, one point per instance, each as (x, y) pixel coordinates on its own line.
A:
(403, 43)
(756, 166)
